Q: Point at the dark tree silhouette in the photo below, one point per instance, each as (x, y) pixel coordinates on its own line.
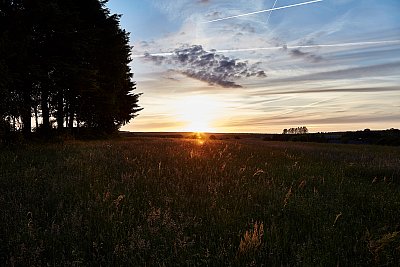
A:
(298, 130)
(66, 63)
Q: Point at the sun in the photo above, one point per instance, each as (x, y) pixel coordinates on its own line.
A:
(198, 112)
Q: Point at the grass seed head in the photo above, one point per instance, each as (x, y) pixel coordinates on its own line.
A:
(252, 239)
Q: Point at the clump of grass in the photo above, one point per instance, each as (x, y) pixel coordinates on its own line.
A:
(252, 239)
(288, 196)
(385, 249)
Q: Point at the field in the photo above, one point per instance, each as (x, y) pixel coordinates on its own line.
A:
(153, 201)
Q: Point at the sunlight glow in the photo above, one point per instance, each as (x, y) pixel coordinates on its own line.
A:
(200, 142)
(198, 112)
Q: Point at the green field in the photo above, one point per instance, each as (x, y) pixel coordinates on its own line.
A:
(150, 201)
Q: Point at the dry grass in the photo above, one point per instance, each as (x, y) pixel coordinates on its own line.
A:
(252, 239)
(181, 202)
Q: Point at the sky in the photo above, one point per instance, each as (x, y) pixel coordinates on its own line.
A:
(235, 66)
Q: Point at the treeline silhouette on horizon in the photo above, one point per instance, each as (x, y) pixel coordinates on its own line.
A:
(390, 137)
(64, 67)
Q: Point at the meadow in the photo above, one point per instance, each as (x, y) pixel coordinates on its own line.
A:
(173, 202)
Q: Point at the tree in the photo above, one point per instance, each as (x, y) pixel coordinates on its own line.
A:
(112, 104)
(67, 61)
(303, 130)
(298, 130)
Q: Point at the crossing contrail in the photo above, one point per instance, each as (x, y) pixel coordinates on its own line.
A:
(269, 15)
(309, 46)
(265, 10)
(165, 54)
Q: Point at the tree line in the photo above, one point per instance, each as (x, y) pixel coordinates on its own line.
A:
(298, 130)
(64, 65)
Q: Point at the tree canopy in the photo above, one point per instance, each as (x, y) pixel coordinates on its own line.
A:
(297, 130)
(66, 64)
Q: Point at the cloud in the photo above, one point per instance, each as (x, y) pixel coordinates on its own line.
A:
(296, 53)
(242, 28)
(264, 10)
(378, 89)
(156, 59)
(208, 66)
(378, 70)
(214, 14)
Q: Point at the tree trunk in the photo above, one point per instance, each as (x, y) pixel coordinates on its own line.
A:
(71, 119)
(60, 111)
(36, 117)
(45, 111)
(26, 115)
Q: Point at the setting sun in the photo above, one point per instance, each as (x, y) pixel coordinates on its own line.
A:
(200, 132)
(198, 113)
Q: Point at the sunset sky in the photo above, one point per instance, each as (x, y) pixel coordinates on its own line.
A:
(328, 65)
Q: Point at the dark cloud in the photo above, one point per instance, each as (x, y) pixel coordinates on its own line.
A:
(244, 27)
(145, 44)
(213, 15)
(296, 53)
(156, 59)
(204, 1)
(208, 66)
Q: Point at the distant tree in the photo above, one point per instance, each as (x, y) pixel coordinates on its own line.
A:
(303, 130)
(298, 130)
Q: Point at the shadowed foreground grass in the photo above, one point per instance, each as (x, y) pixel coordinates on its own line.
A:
(179, 202)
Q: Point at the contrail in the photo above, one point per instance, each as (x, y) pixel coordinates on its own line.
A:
(269, 15)
(162, 54)
(282, 47)
(265, 10)
(308, 46)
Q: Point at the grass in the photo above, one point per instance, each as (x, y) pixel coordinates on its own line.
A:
(178, 202)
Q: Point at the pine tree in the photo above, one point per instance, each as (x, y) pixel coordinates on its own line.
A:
(65, 61)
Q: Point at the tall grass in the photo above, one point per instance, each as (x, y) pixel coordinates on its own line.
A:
(179, 202)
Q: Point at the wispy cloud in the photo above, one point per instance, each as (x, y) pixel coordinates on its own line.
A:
(270, 13)
(265, 10)
(380, 70)
(372, 43)
(330, 51)
(208, 66)
(305, 55)
(336, 90)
